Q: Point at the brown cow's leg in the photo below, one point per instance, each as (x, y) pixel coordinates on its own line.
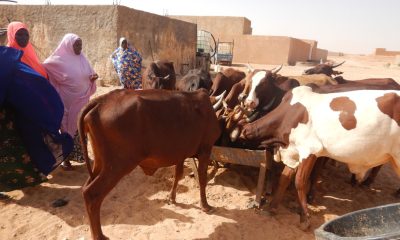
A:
(302, 179)
(94, 193)
(178, 176)
(315, 174)
(204, 161)
(284, 181)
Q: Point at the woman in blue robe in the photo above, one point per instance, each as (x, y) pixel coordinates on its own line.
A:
(31, 145)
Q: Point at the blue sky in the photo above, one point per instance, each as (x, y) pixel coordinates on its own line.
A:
(350, 26)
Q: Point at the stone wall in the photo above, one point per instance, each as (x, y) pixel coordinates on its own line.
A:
(100, 28)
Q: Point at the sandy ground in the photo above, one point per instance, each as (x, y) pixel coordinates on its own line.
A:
(136, 208)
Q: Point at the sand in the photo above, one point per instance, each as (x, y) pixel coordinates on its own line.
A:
(136, 208)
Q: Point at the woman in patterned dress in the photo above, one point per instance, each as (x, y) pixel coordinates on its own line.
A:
(128, 64)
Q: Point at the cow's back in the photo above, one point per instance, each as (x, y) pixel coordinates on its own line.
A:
(164, 126)
(318, 79)
(350, 126)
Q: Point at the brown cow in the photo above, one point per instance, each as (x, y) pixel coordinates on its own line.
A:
(159, 75)
(151, 129)
(267, 92)
(324, 68)
(390, 82)
(224, 81)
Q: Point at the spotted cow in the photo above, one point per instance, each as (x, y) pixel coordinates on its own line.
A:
(307, 125)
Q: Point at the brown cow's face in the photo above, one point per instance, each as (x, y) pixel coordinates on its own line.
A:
(275, 127)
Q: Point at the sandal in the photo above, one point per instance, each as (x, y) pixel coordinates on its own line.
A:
(66, 166)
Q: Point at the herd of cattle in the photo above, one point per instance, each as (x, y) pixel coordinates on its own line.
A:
(304, 120)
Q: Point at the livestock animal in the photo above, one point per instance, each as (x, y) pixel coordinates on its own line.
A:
(194, 80)
(224, 81)
(390, 82)
(160, 75)
(324, 68)
(264, 95)
(318, 79)
(232, 98)
(151, 129)
(306, 125)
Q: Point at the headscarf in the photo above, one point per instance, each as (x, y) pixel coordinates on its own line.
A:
(121, 40)
(70, 75)
(29, 56)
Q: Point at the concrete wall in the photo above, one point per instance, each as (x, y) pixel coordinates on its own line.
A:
(48, 24)
(100, 28)
(221, 27)
(299, 51)
(158, 37)
(384, 52)
(261, 49)
(319, 54)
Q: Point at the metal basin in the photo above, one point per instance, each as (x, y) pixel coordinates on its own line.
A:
(382, 222)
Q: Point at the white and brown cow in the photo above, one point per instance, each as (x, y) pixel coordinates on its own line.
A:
(307, 125)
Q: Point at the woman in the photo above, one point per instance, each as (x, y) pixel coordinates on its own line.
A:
(31, 111)
(74, 79)
(128, 64)
(18, 38)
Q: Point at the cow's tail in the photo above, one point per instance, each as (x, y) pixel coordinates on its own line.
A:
(82, 135)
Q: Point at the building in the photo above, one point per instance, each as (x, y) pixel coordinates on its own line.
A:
(257, 49)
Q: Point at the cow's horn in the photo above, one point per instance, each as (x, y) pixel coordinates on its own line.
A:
(249, 67)
(222, 95)
(252, 117)
(219, 99)
(337, 65)
(276, 70)
(166, 77)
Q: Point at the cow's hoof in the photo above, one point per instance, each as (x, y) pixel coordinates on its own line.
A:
(101, 237)
(171, 201)
(367, 182)
(305, 224)
(208, 209)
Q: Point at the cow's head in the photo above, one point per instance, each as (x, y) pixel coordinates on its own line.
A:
(324, 68)
(160, 75)
(259, 85)
(195, 79)
(274, 128)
